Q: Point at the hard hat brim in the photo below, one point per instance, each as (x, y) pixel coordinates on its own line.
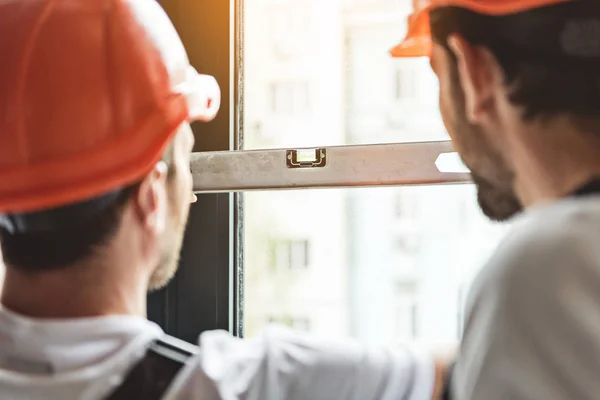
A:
(418, 43)
(413, 48)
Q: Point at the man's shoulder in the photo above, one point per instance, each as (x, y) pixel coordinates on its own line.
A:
(535, 306)
(546, 247)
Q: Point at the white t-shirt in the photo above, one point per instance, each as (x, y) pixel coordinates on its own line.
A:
(533, 317)
(88, 358)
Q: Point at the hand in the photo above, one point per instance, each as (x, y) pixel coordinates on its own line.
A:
(443, 358)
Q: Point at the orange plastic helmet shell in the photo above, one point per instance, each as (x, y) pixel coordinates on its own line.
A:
(91, 93)
(417, 42)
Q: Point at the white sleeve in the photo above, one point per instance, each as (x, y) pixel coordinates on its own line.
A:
(282, 364)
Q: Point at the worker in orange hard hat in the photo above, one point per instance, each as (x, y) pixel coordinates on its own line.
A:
(520, 98)
(96, 97)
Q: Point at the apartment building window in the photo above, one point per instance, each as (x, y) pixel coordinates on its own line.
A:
(290, 98)
(405, 205)
(414, 320)
(465, 215)
(405, 83)
(290, 19)
(460, 311)
(407, 243)
(407, 311)
(292, 254)
(294, 322)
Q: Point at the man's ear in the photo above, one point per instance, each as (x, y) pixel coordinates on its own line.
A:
(475, 71)
(151, 199)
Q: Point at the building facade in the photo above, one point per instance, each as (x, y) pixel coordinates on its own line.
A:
(379, 265)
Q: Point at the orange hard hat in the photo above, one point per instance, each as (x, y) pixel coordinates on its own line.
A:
(417, 42)
(91, 93)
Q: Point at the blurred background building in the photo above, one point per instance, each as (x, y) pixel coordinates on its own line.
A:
(378, 264)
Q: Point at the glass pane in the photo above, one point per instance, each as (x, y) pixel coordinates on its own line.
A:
(379, 264)
(318, 73)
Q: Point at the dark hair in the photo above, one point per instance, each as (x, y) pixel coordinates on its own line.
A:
(65, 245)
(546, 77)
(75, 238)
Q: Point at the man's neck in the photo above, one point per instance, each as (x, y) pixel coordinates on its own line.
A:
(554, 162)
(72, 292)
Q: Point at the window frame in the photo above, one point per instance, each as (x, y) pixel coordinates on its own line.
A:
(208, 291)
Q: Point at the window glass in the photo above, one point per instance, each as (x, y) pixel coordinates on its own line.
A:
(377, 264)
(289, 98)
(319, 73)
(355, 263)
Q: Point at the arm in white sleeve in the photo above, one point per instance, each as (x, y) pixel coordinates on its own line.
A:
(285, 365)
